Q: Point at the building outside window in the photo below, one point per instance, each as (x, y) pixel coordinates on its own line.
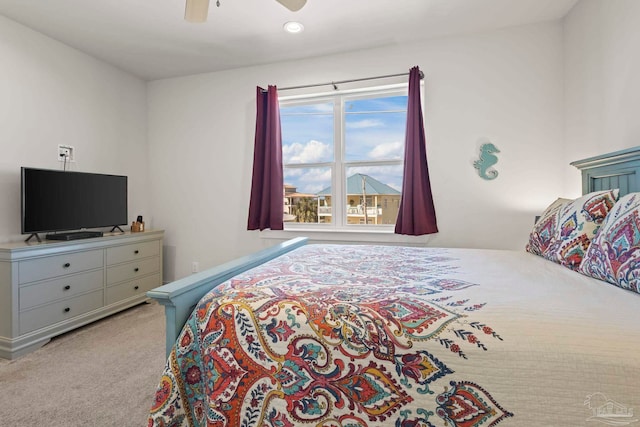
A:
(343, 158)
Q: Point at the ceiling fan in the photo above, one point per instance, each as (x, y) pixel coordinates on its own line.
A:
(197, 10)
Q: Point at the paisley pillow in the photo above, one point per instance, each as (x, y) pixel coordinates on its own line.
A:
(614, 255)
(545, 228)
(578, 224)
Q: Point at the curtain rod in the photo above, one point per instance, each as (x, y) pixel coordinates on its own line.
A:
(335, 87)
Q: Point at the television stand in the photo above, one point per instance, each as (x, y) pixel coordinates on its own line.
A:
(74, 235)
(33, 235)
(56, 286)
(114, 229)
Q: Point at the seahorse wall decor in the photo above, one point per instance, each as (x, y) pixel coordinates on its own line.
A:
(486, 161)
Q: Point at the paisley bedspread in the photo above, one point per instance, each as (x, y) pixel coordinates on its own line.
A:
(334, 335)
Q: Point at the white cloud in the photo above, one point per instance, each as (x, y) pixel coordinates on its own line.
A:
(293, 173)
(323, 108)
(308, 180)
(389, 150)
(316, 180)
(311, 152)
(364, 124)
(390, 175)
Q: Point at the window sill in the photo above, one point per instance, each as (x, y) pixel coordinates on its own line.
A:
(385, 236)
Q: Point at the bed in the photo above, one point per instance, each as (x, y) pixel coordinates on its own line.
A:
(359, 335)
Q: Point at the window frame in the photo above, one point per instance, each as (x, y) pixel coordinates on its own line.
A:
(340, 165)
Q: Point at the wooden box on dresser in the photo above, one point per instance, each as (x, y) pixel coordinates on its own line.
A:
(49, 288)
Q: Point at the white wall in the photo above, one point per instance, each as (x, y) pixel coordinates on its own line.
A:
(602, 84)
(545, 95)
(505, 85)
(52, 94)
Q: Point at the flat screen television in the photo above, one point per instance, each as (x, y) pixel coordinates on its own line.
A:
(57, 201)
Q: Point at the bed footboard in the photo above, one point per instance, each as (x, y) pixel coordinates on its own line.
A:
(180, 297)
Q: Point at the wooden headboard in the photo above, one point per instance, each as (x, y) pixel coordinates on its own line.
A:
(620, 169)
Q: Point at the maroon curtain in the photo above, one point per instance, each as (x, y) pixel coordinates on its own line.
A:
(417, 214)
(267, 199)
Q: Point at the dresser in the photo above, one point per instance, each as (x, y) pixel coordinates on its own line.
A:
(52, 287)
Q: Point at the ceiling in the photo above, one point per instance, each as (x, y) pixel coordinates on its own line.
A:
(150, 38)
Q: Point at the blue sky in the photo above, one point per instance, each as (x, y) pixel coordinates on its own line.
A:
(374, 130)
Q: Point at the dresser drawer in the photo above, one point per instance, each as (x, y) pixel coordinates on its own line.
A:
(132, 270)
(46, 315)
(131, 289)
(59, 265)
(133, 251)
(63, 287)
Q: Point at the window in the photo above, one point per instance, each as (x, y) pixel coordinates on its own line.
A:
(343, 158)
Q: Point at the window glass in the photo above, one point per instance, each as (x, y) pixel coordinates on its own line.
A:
(307, 133)
(373, 194)
(356, 140)
(375, 127)
(303, 195)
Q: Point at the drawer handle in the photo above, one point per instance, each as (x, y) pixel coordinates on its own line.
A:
(67, 265)
(136, 252)
(136, 287)
(136, 269)
(66, 288)
(66, 310)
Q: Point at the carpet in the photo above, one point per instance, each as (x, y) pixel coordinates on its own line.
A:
(102, 374)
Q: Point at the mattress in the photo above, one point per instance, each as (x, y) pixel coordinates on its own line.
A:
(361, 335)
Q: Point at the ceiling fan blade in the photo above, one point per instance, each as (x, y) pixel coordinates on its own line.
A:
(196, 10)
(292, 5)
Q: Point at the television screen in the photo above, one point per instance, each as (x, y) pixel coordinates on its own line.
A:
(55, 200)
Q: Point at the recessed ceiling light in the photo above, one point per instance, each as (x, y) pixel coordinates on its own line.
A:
(293, 27)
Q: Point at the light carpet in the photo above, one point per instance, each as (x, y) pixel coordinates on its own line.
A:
(103, 374)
